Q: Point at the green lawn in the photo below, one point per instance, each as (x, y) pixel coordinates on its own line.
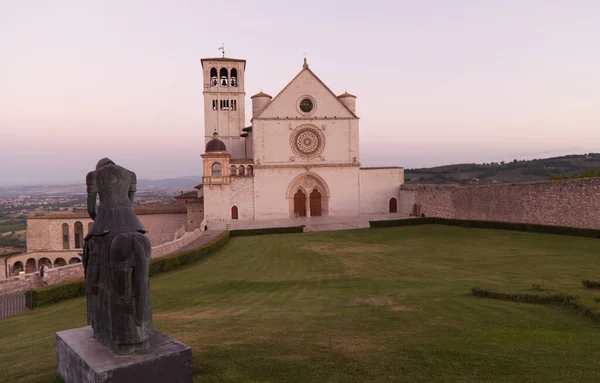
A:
(374, 305)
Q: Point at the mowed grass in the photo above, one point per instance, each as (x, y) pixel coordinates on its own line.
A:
(374, 305)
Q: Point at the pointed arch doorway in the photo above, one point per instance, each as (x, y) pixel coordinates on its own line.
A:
(393, 205)
(308, 196)
(300, 203)
(315, 203)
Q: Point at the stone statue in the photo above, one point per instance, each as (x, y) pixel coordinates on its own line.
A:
(116, 261)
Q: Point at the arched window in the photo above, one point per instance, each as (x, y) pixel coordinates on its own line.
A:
(234, 212)
(74, 260)
(233, 170)
(242, 170)
(45, 261)
(78, 228)
(223, 76)
(17, 268)
(216, 169)
(233, 77)
(214, 81)
(30, 266)
(60, 262)
(65, 235)
(250, 170)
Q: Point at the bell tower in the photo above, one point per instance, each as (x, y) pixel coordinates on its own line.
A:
(224, 95)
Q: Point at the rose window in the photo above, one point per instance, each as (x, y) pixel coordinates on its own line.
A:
(307, 141)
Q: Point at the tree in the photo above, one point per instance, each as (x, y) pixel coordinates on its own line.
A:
(588, 173)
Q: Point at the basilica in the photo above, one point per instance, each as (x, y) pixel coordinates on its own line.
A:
(298, 158)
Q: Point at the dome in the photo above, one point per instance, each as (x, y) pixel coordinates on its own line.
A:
(215, 145)
(261, 94)
(346, 94)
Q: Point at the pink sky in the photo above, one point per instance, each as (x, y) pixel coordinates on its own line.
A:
(437, 82)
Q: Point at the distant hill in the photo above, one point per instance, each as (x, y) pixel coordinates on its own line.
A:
(186, 183)
(510, 172)
(169, 185)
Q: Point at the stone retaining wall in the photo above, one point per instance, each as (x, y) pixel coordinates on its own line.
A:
(173, 246)
(70, 272)
(572, 202)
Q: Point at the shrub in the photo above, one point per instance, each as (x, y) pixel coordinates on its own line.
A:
(403, 222)
(591, 284)
(170, 262)
(583, 307)
(523, 297)
(51, 294)
(47, 295)
(271, 230)
(526, 227)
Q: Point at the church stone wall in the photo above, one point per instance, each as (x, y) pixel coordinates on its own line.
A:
(377, 187)
(285, 104)
(272, 186)
(272, 142)
(273, 128)
(565, 203)
(221, 198)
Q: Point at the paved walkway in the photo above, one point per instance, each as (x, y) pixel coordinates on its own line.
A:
(310, 223)
(206, 237)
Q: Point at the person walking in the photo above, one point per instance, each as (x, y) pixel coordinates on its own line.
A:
(44, 273)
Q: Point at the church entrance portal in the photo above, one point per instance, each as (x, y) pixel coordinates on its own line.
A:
(300, 203)
(315, 203)
(308, 196)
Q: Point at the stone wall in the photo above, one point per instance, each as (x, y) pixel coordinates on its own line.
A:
(195, 215)
(161, 228)
(275, 188)
(33, 280)
(45, 233)
(221, 199)
(2, 267)
(565, 203)
(66, 273)
(272, 130)
(173, 246)
(377, 187)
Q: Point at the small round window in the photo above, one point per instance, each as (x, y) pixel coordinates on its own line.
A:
(306, 105)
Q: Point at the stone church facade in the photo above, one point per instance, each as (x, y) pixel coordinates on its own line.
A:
(299, 158)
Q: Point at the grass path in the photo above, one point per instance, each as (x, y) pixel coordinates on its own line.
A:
(364, 305)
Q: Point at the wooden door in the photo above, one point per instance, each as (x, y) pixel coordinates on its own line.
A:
(315, 203)
(393, 205)
(234, 212)
(300, 203)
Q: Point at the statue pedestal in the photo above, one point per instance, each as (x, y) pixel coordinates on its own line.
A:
(80, 358)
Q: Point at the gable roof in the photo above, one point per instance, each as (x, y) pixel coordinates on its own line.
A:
(305, 68)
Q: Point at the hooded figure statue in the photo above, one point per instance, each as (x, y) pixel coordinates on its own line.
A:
(116, 261)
